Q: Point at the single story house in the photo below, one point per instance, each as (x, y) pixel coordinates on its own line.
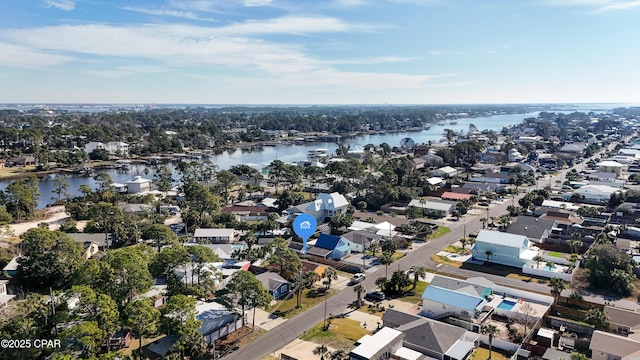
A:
(607, 346)
(610, 166)
(536, 229)
(450, 296)
(332, 247)
(503, 248)
(429, 337)
(381, 345)
(214, 236)
(622, 321)
(449, 195)
(277, 285)
(595, 193)
(434, 207)
(21, 161)
(217, 320)
(445, 172)
(562, 218)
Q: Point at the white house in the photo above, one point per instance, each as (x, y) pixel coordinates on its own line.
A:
(327, 205)
(610, 167)
(112, 147)
(445, 172)
(378, 346)
(596, 193)
(138, 185)
(214, 236)
(503, 248)
(4, 297)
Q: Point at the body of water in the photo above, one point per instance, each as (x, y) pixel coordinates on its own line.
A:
(260, 158)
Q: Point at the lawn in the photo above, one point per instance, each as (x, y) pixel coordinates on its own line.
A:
(397, 255)
(482, 354)
(346, 330)
(287, 308)
(441, 259)
(414, 296)
(556, 254)
(16, 170)
(440, 231)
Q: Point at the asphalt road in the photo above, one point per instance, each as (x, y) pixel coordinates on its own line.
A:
(296, 326)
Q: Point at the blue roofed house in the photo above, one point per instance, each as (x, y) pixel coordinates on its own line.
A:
(332, 247)
(277, 285)
(439, 302)
(503, 248)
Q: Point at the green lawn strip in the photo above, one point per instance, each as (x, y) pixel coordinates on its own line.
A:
(556, 254)
(397, 255)
(440, 231)
(414, 296)
(287, 308)
(345, 329)
(482, 354)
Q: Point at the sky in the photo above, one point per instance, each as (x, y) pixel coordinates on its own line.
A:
(319, 51)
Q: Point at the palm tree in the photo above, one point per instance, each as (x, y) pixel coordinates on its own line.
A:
(418, 272)
(381, 282)
(491, 331)
(338, 355)
(320, 349)
(329, 275)
(359, 290)
(386, 259)
(557, 285)
(575, 245)
(463, 242)
(537, 259)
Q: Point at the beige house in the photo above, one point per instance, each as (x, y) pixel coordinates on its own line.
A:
(622, 321)
(607, 346)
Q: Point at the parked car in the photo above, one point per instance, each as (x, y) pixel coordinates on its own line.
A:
(375, 296)
(483, 203)
(357, 278)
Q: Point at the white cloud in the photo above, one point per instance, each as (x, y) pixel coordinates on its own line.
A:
(348, 3)
(66, 5)
(374, 60)
(23, 57)
(600, 5)
(256, 3)
(620, 6)
(165, 12)
(293, 25)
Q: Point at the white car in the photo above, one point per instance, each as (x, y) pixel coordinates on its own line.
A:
(357, 278)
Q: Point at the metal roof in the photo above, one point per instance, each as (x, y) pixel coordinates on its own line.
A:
(452, 298)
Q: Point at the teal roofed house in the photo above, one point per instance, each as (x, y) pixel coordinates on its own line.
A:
(438, 302)
(503, 248)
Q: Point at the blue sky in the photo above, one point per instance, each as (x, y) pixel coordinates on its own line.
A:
(320, 51)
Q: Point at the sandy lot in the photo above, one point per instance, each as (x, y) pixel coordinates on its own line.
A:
(55, 216)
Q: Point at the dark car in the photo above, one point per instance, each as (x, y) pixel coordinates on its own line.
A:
(483, 203)
(375, 295)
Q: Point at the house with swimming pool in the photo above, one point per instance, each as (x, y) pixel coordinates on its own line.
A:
(472, 302)
(503, 248)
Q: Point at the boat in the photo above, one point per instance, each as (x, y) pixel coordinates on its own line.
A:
(317, 155)
(441, 123)
(453, 122)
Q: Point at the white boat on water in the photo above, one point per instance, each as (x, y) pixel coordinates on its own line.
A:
(318, 155)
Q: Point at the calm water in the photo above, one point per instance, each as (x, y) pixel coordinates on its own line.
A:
(285, 153)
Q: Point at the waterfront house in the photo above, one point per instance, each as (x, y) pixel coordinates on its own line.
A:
(138, 185)
(327, 205)
(503, 248)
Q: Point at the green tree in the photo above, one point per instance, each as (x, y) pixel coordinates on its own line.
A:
(49, 259)
(88, 336)
(126, 274)
(418, 272)
(142, 318)
(597, 318)
(168, 259)
(244, 290)
(226, 179)
(22, 198)
(491, 331)
(161, 235)
(381, 283)
(359, 289)
(96, 307)
(329, 275)
(162, 179)
(284, 258)
(537, 259)
(60, 186)
(320, 350)
(557, 285)
(386, 259)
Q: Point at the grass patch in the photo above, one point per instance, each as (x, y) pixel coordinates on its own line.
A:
(397, 255)
(556, 254)
(16, 170)
(453, 249)
(482, 354)
(440, 231)
(345, 329)
(287, 308)
(414, 296)
(441, 259)
(527, 278)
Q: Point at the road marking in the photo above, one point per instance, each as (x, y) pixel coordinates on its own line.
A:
(438, 265)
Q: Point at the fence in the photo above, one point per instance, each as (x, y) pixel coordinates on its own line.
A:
(225, 330)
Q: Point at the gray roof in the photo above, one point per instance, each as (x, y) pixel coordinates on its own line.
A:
(98, 238)
(623, 317)
(531, 227)
(271, 280)
(427, 333)
(314, 250)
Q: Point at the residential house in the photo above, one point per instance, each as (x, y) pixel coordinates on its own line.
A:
(607, 346)
(429, 337)
(477, 188)
(159, 349)
(327, 205)
(491, 178)
(4, 297)
(330, 246)
(434, 207)
(217, 321)
(120, 339)
(112, 147)
(610, 166)
(380, 345)
(247, 213)
(362, 239)
(454, 196)
(595, 194)
(138, 185)
(21, 161)
(622, 321)
(602, 176)
(432, 160)
(514, 155)
(573, 148)
(536, 229)
(450, 297)
(562, 218)
(12, 267)
(445, 172)
(277, 285)
(503, 248)
(214, 236)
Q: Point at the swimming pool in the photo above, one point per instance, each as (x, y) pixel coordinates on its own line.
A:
(506, 305)
(547, 268)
